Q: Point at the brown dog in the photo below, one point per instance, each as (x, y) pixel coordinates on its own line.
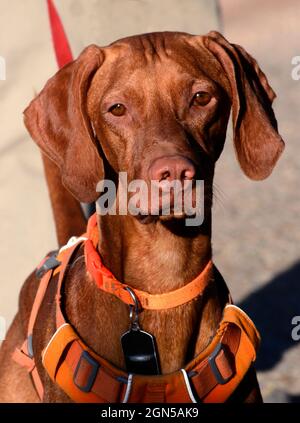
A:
(157, 107)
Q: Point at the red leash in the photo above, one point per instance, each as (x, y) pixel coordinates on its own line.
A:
(61, 44)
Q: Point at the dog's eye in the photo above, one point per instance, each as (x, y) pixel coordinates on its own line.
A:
(201, 98)
(117, 109)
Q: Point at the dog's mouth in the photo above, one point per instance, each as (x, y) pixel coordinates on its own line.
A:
(146, 218)
(172, 205)
(173, 208)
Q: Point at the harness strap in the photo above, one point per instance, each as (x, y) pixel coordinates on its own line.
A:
(66, 257)
(213, 375)
(86, 377)
(219, 368)
(25, 355)
(238, 346)
(20, 357)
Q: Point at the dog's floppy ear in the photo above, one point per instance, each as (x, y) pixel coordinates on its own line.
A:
(257, 142)
(58, 122)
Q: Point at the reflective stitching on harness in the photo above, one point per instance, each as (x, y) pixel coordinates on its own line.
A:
(128, 389)
(30, 346)
(53, 336)
(72, 241)
(188, 386)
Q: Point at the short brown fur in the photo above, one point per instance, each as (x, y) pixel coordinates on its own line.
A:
(156, 76)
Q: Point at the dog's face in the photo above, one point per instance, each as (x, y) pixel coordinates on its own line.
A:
(159, 112)
(146, 103)
(155, 106)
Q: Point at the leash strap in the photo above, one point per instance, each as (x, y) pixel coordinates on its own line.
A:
(61, 45)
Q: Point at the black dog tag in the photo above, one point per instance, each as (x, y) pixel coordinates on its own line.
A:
(140, 352)
(139, 347)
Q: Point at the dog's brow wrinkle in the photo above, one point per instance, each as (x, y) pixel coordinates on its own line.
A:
(152, 46)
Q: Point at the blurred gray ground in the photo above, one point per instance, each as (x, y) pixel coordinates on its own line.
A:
(256, 224)
(256, 235)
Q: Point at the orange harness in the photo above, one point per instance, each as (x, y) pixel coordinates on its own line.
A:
(86, 377)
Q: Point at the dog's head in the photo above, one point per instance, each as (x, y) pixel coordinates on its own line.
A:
(155, 106)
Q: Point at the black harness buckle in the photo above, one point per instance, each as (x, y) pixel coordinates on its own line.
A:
(50, 263)
(213, 365)
(88, 366)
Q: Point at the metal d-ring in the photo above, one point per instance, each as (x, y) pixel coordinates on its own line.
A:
(133, 310)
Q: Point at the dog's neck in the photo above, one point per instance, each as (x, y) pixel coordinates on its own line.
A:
(151, 257)
(155, 259)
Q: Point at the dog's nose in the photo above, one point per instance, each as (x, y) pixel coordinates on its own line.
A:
(172, 168)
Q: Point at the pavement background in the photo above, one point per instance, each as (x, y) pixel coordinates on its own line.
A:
(256, 224)
(256, 231)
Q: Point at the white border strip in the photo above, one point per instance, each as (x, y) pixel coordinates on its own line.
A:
(72, 241)
(128, 389)
(188, 386)
(53, 336)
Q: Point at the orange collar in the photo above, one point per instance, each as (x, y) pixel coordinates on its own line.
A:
(106, 281)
